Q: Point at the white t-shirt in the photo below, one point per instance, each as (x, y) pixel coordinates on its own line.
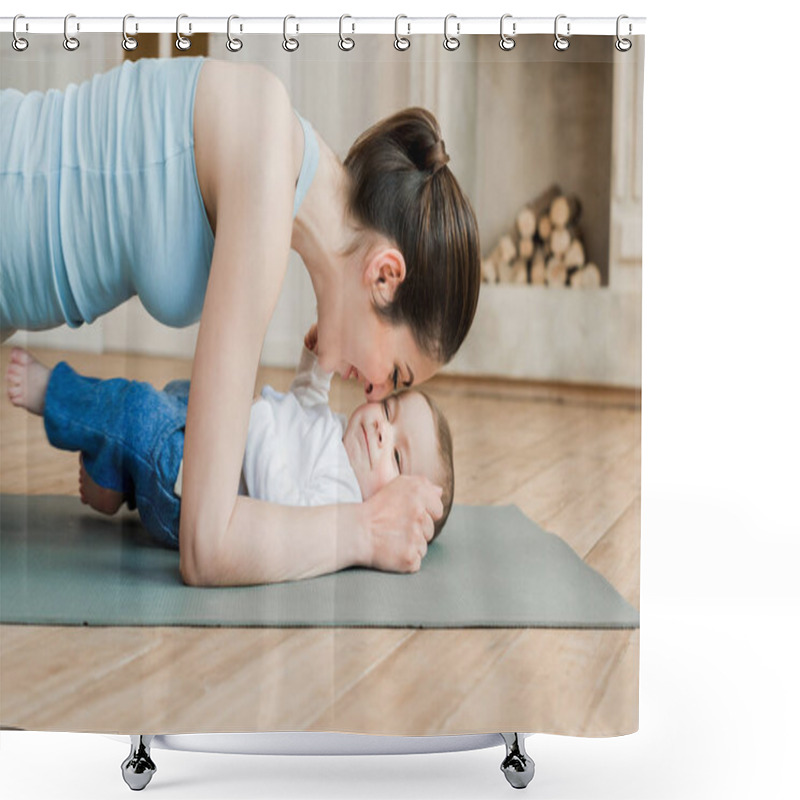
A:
(294, 454)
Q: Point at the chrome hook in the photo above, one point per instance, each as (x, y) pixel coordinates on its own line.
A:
(401, 42)
(507, 42)
(70, 42)
(181, 42)
(128, 42)
(560, 42)
(623, 45)
(18, 43)
(290, 44)
(451, 42)
(345, 42)
(233, 44)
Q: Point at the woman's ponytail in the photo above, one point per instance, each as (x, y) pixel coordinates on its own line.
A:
(437, 157)
(399, 187)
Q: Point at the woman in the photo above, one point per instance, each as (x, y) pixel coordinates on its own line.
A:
(187, 181)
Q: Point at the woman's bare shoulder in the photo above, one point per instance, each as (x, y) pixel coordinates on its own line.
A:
(242, 111)
(231, 96)
(226, 79)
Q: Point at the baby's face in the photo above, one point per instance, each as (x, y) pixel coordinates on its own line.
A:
(394, 437)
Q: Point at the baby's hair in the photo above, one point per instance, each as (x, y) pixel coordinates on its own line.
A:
(447, 479)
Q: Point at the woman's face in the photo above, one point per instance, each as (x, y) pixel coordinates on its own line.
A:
(354, 341)
(383, 357)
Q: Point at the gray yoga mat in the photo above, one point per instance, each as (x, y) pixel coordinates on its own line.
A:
(63, 564)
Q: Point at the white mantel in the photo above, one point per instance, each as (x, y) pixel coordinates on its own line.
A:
(562, 335)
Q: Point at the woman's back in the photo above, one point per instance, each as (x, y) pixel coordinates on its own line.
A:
(124, 211)
(112, 161)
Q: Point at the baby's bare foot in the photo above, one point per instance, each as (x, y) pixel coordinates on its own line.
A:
(106, 501)
(26, 379)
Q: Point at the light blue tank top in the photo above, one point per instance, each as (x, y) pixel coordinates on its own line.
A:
(99, 198)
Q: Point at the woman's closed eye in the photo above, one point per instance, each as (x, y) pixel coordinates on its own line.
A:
(395, 378)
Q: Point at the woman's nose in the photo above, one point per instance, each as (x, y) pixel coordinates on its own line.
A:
(377, 391)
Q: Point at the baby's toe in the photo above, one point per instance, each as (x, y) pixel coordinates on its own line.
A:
(20, 356)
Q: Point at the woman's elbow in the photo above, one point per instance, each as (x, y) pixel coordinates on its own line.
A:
(199, 565)
(191, 574)
(208, 574)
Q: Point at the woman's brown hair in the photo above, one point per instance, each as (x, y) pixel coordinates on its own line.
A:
(401, 186)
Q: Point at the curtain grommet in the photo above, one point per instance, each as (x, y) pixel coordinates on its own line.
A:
(71, 43)
(233, 44)
(181, 42)
(623, 45)
(560, 43)
(17, 42)
(128, 42)
(346, 43)
(451, 43)
(401, 43)
(289, 44)
(507, 42)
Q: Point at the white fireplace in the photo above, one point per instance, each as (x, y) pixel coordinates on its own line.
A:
(579, 127)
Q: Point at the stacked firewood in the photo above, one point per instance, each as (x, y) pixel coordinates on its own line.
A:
(545, 246)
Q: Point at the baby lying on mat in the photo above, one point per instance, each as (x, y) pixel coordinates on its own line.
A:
(298, 451)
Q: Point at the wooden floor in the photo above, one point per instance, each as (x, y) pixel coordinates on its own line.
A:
(569, 457)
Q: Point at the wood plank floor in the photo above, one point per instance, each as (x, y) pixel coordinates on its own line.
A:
(569, 457)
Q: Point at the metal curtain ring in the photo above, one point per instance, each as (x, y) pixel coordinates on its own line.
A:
(181, 42)
(451, 42)
(623, 45)
(70, 42)
(289, 44)
(18, 43)
(560, 42)
(128, 42)
(233, 44)
(400, 42)
(507, 42)
(345, 42)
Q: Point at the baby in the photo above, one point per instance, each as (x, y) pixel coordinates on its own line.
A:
(298, 451)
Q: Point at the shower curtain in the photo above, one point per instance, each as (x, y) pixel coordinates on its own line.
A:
(523, 615)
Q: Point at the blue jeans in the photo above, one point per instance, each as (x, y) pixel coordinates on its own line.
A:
(130, 436)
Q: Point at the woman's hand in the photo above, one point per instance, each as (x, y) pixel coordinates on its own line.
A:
(399, 523)
(311, 339)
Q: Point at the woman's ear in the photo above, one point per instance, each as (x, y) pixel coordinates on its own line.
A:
(385, 271)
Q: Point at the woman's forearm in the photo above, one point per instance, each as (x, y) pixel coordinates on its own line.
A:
(267, 543)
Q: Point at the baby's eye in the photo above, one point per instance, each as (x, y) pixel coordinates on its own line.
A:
(386, 408)
(397, 459)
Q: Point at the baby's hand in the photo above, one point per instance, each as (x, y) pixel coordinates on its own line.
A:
(311, 339)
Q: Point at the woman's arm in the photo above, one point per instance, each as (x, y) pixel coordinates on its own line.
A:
(243, 125)
(268, 543)
(226, 539)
